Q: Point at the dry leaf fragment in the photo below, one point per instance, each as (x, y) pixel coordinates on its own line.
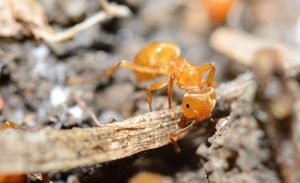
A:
(21, 17)
(9, 26)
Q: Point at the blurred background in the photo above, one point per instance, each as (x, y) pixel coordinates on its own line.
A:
(38, 80)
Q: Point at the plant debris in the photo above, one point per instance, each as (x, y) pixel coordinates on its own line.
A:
(75, 125)
(27, 17)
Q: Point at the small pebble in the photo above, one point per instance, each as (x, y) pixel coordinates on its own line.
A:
(41, 52)
(76, 111)
(59, 95)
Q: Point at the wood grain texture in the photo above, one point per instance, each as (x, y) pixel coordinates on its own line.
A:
(51, 149)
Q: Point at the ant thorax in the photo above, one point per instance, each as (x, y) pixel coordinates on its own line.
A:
(190, 80)
(187, 75)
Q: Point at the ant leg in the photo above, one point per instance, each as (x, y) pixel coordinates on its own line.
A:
(170, 89)
(210, 92)
(135, 67)
(152, 87)
(212, 69)
(173, 136)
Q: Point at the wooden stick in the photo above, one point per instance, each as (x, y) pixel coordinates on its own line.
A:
(51, 149)
(55, 150)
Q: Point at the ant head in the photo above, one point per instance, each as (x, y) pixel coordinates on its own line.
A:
(199, 105)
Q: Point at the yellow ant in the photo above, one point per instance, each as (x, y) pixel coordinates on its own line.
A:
(163, 58)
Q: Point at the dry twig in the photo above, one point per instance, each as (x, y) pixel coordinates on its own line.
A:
(111, 10)
(83, 105)
(242, 48)
(53, 150)
(28, 17)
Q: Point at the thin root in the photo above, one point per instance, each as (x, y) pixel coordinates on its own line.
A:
(82, 104)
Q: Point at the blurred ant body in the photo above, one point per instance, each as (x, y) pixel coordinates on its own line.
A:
(163, 58)
(8, 125)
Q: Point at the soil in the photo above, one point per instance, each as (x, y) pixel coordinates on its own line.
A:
(38, 85)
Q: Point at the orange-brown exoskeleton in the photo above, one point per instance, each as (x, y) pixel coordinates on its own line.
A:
(8, 125)
(163, 58)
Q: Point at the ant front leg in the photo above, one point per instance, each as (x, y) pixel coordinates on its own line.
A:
(174, 136)
(151, 88)
(210, 78)
(170, 93)
(170, 89)
(159, 86)
(134, 67)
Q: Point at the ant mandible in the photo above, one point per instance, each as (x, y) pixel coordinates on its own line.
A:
(163, 58)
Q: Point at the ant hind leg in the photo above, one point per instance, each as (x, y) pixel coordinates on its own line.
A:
(170, 89)
(134, 67)
(211, 73)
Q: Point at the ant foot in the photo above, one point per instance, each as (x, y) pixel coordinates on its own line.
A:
(175, 144)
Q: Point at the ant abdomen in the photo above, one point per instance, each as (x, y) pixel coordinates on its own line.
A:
(157, 54)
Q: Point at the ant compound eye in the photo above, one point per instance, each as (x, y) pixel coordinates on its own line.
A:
(187, 105)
